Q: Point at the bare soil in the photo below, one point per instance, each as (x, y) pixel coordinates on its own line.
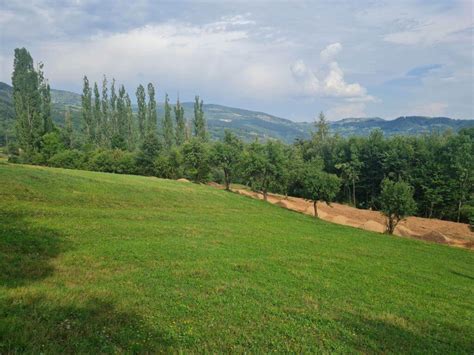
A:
(431, 230)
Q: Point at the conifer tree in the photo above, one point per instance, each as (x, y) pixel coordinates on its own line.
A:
(168, 135)
(87, 116)
(142, 111)
(199, 122)
(180, 123)
(27, 101)
(322, 127)
(97, 116)
(151, 110)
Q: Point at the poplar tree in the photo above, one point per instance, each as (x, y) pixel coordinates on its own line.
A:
(180, 123)
(142, 111)
(113, 110)
(105, 113)
(130, 133)
(322, 127)
(26, 101)
(87, 110)
(199, 122)
(67, 133)
(151, 109)
(97, 116)
(45, 95)
(168, 125)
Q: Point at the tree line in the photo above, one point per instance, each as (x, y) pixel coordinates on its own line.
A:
(429, 175)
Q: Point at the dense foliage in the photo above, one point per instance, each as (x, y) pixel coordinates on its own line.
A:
(436, 168)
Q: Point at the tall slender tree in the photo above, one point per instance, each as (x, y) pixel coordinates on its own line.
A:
(131, 133)
(168, 135)
(151, 109)
(199, 122)
(45, 94)
(87, 117)
(27, 101)
(113, 110)
(322, 127)
(180, 123)
(105, 131)
(142, 111)
(97, 113)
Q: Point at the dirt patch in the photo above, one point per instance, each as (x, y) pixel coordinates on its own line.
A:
(183, 180)
(432, 230)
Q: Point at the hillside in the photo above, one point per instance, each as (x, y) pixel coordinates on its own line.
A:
(93, 262)
(247, 124)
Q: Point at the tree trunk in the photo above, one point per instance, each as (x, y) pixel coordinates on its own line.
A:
(265, 195)
(226, 180)
(353, 192)
(315, 206)
(459, 210)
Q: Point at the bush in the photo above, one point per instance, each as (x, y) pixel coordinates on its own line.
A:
(112, 161)
(69, 159)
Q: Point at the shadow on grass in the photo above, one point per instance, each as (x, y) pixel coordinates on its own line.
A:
(38, 325)
(26, 250)
(370, 335)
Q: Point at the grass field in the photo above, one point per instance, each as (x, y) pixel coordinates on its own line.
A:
(93, 262)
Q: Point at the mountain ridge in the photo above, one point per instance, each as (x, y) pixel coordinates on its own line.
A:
(247, 124)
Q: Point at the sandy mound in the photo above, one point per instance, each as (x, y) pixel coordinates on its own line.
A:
(434, 236)
(404, 231)
(283, 203)
(183, 180)
(339, 220)
(373, 226)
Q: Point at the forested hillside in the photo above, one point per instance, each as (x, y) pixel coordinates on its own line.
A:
(246, 124)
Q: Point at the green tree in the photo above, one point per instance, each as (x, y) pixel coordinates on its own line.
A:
(199, 121)
(148, 152)
(180, 123)
(130, 127)
(45, 94)
(227, 155)
(97, 113)
(105, 127)
(142, 111)
(151, 109)
(396, 202)
(113, 126)
(322, 127)
(319, 185)
(26, 101)
(67, 132)
(196, 160)
(87, 116)
(168, 129)
(264, 166)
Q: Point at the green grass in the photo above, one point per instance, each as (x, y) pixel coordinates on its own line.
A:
(93, 262)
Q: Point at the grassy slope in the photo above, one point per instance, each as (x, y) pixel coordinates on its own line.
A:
(99, 262)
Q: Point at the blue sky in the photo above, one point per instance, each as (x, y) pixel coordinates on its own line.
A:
(289, 58)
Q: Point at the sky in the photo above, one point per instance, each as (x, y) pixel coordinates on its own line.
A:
(293, 59)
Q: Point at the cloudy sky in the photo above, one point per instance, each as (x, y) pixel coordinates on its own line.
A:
(289, 58)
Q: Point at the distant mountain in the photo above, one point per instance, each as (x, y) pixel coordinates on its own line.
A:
(248, 125)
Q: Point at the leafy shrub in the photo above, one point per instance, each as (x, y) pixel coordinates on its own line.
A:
(112, 161)
(69, 159)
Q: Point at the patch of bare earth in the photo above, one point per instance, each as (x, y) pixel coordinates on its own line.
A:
(431, 230)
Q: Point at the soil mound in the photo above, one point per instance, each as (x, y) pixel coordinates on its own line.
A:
(373, 226)
(435, 236)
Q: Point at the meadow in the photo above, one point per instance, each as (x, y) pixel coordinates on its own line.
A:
(94, 262)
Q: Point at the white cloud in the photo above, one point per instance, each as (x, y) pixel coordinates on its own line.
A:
(330, 82)
(328, 53)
